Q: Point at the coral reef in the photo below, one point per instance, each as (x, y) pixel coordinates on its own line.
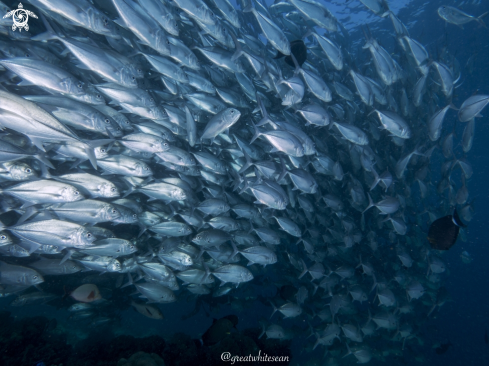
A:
(142, 359)
(40, 341)
(28, 341)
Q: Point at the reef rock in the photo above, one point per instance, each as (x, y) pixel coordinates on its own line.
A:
(142, 359)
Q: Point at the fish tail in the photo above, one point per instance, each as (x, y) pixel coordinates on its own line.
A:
(257, 133)
(91, 145)
(42, 158)
(50, 34)
(456, 219)
(479, 19)
(239, 50)
(376, 181)
(235, 249)
(29, 212)
(247, 164)
(370, 203)
(279, 55)
(304, 271)
(248, 8)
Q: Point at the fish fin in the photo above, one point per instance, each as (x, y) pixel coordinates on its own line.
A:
(376, 181)
(480, 21)
(257, 133)
(120, 22)
(248, 163)
(28, 204)
(142, 229)
(370, 203)
(50, 33)
(297, 67)
(31, 210)
(38, 143)
(25, 83)
(42, 158)
(129, 282)
(69, 253)
(91, 146)
(284, 170)
(235, 250)
(248, 8)
(129, 191)
(238, 49)
(304, 271)
(76, 163)
(456, 219)
(29, 246)
(279, 55)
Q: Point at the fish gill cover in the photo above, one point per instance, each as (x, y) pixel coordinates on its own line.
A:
(250, 156)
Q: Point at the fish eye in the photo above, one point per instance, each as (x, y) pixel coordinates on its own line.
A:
(34, 277)
(112, 189)
(114, 211)
(107, 120)
(27, 55)
(28, 170)
(99, 96)
(146, 168)
(102, 150)
(89, 235)
(3, 237)
(134, 216)
(79, 85)
(133, 78)
(77, 193)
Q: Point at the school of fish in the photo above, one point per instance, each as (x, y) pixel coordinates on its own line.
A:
(172, 148)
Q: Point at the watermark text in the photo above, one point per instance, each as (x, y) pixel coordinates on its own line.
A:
(228, 357)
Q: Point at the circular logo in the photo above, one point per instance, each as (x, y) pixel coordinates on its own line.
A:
(20, 17)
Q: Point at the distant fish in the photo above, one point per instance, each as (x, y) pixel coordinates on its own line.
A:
(298, 49)
(458, 17)
(443, 348)
(466, 257)
(149, 311)
(443, 232)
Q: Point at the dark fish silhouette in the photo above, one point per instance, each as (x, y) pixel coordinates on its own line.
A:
(298, 49)
(287, 292)
(443, 232)
(443, 348)
(219, 330)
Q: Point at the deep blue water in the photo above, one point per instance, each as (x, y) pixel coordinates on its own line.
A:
(463, 320)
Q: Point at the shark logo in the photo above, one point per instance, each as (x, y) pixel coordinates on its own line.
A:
(20, 18)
